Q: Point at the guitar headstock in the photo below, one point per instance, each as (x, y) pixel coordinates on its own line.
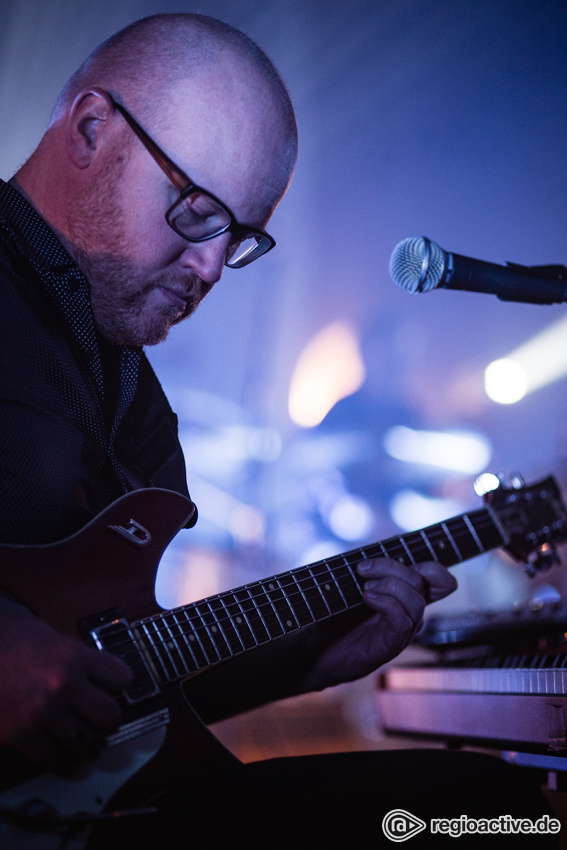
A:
(532, 519)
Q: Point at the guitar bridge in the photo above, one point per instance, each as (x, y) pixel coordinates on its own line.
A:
(138, 727)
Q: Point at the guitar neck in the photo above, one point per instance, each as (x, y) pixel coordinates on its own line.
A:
(184, 641)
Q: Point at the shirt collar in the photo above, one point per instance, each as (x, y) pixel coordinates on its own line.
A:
(68, 288)
(40, 244)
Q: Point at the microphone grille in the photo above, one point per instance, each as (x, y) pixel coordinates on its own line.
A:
(417, 264)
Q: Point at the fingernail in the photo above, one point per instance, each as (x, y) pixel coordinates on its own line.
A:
(363, 567)
(371, 588)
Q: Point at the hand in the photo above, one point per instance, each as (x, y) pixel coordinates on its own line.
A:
(396, 595)
(56, 699)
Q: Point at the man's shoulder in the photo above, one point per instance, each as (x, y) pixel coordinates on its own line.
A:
(16, 269)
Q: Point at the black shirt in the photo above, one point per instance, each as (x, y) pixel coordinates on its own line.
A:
(81, 421)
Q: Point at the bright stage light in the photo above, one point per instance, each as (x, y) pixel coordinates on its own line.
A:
(464, 452)
(329, 369)
(505, 381)
(411, 510)
(538, 362)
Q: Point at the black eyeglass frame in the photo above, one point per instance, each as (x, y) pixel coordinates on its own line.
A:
(185, 186)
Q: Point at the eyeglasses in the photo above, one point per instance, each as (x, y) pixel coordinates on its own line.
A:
(196, 214)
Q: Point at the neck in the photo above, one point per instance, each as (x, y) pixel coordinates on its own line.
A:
(34, 187)
(19, 185)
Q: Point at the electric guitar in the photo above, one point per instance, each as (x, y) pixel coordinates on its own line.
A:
(99, 584)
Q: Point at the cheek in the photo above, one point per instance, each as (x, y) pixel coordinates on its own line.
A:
(148, 240)
(143, 200)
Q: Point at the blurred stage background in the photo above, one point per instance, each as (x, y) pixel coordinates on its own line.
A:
(416, 117)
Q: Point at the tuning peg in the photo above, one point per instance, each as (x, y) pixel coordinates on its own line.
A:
(544, 559)
(516, 481)
(489, 481)
(486, 483)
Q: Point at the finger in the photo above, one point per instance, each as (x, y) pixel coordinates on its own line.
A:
(76, 737)
(108, 671)
(390, 578)
(392, 624)
(377, 568)
(96, 709)
(439, 581)
(76, 741)
(396, 598)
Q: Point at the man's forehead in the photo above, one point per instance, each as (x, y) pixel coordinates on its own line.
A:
(227, 136)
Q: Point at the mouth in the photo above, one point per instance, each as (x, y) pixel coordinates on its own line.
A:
(178, 303)
(175, 298)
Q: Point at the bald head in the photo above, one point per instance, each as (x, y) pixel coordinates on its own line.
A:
(212, 103)
(147, 60)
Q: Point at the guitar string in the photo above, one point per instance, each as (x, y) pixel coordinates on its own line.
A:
(266, 608)
(327, 570)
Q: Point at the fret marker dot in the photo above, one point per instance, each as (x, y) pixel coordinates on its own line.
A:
(239, 619)
(214, 629)
(327, 586)
(271, 586)
(191, 637)
(289, 623)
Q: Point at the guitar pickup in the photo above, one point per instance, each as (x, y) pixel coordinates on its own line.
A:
(110, 632)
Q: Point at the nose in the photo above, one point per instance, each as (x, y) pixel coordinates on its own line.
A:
(207, 258)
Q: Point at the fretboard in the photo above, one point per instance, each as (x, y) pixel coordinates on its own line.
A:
(192, 638)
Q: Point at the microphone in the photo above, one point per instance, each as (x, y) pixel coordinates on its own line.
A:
(420, 265)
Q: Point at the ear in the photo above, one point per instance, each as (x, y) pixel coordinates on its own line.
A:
(89, 122)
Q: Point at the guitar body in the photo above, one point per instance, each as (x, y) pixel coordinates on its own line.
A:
(99, 584)
(110, 564)
(98, 568)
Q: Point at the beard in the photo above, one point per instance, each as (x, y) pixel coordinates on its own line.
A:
(128, 304)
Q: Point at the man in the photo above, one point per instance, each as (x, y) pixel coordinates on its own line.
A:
(108, 240)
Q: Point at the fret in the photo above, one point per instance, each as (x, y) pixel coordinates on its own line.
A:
(226, 625)
(240, 621)
(190, 635)
(365, 554)
(285, 618)
(147, 642)
(373, 550)
(212, 639)
(299, 577)
(429, 546)
(451, 540)
(348, 581)
(486, 529)
(444, 553)
(171, 644)
(296, 599)
(328, 588)
(474, 535)
(222, 627)
(266, 611)
(393, 548)
(254, 615)
(410, 556)
(418, 547)
(181, 642)
(465, 542)
(310, 591)
(388, 550)
(324, 609)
